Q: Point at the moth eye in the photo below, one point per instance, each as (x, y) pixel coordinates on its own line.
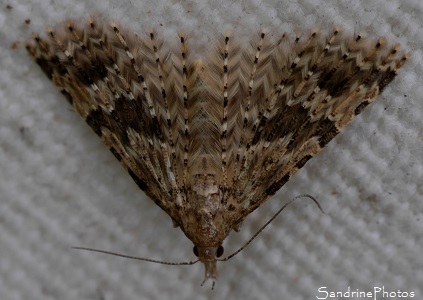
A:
(195, 250)
(219, 252)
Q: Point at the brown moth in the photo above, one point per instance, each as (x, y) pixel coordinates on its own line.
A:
(210, 140)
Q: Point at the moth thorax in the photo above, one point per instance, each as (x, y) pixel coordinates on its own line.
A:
(205, 203)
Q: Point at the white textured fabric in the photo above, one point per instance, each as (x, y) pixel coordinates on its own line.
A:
(60, 187)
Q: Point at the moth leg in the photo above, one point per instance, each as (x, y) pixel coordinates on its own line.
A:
(175, 224)
(237, 226)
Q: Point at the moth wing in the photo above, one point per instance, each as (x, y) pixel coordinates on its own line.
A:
(117, 85)
(249, 116)
(299, 97)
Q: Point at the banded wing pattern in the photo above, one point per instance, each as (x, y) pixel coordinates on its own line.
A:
(210, 140)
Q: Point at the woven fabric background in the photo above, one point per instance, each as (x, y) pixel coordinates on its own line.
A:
(60, 187)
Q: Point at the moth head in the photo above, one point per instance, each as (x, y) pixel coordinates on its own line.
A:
(209, 256)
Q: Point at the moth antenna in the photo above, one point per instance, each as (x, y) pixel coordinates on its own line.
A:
(138, 258)
(270, 221)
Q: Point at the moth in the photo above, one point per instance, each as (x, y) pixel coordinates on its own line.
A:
(211, 139)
